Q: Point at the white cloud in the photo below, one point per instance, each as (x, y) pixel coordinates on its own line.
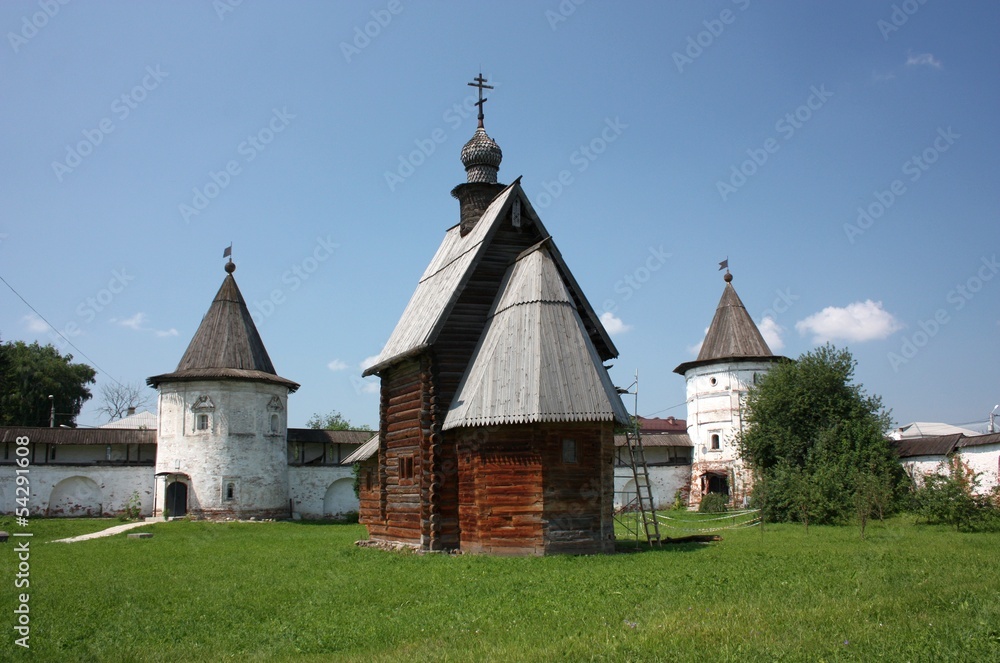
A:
(771, 331)
(337, 365)
(696, 348)
(922, 59)
(35, 324)
(370, 385)
(134, 323)
(138, 323)
(878, 76)
(613, 324)
(860, 321)
(367, 361)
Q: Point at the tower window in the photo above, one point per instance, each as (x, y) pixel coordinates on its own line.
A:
(201, 422)
(715, 441)
(713, 381)
(230, 493)
(275, 424)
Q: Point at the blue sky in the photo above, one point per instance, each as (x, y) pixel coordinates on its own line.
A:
(843, 156)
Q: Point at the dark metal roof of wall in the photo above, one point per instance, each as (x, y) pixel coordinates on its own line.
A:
(78, 435)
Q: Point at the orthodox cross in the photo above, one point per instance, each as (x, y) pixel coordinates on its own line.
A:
(480, 83)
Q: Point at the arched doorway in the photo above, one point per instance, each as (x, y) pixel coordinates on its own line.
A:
(715, 482)
(177, 499)
(339, 498)
(76, 496)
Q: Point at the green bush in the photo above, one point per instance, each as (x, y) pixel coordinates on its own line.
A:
(949, 497)
(133, 507)
(714, 503)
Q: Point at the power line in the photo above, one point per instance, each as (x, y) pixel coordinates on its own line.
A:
(665, 409)
(52, 327)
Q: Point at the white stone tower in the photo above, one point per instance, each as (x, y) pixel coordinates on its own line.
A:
(221, 445)
(733, 356)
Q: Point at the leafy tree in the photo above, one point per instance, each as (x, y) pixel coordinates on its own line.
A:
(32, 373)
(117, 398)
(817, 441)
(332, 420)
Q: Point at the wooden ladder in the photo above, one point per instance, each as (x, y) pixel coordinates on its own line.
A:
(643, 489)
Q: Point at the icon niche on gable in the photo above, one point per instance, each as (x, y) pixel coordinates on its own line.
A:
(203, 408)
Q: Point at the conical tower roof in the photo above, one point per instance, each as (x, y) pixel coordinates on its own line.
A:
(732, 334)
(227, 345)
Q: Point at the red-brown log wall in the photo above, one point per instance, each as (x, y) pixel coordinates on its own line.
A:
(393, 512)
(579, 496)
(517, 496)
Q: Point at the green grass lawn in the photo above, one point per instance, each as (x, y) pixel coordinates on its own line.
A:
(275, 591)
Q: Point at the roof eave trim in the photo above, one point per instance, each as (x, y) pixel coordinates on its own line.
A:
(688, 365)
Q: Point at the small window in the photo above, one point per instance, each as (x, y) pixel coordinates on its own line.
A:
(230, 494)
(405, 467)
(569, 451)
(201, 422)
(52, 454)
(275, 424)
(713, 381)
(715, 441)
(369, 480)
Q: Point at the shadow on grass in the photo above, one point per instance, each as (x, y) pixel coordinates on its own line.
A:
(626, 547)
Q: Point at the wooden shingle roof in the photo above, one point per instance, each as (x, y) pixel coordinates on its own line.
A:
(731, 336)
(226, 346)
(450, 271)
(535, 361)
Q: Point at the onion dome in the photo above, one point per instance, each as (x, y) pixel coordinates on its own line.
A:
(481, 157)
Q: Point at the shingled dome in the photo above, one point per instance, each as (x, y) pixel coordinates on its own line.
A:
(226, 346)
(481, 157)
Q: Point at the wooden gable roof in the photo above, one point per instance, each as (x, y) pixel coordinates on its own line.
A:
(226, 345)
(535, 361)
(451, 269)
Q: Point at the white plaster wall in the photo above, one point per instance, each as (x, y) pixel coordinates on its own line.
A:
(918, 467)
(239, 447)
(718, 408)
(116, 484)
(308, 485)
(665, 481)
(985, 460)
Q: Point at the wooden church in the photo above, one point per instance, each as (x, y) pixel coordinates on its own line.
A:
(497, 413)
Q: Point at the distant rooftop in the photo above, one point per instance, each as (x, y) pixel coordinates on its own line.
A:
(928, 429)
(144, 420)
